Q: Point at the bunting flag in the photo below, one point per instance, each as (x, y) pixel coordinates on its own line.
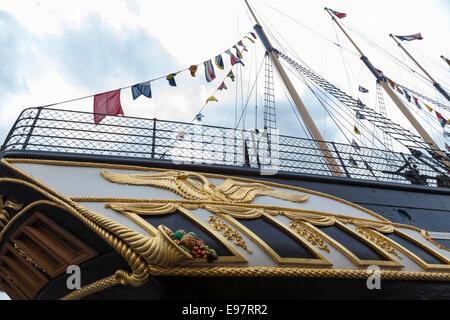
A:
(428, 107)
(199, 117)
(240, 43)
(360, 116)
(407, 95)
(379, 71)
(253, 35)
(231, 75)
(360, 104)
(107, 103)
(211, 99)
(416, 101)
(233, 58)
(442, 120)
(447, 147)
(240, 61)
(171, 79)
(353, 162)
(251, 40)
(411, 37)
(209, 71)
(340, 15)
(238, 52)
(398, 89)
(355, 145)
(363, 90)
(193, 69)
(219, 62)
(222, 87)
(141, 89)
(180, 135)
(356, 130)
(446, 134)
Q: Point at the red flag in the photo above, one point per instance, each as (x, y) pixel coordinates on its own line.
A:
(442, 120)
(107, 103)
(340, 15)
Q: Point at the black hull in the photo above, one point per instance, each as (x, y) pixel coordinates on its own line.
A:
(426, 208)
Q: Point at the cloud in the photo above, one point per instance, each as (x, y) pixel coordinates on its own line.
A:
(99, 58)
(75, 62)
(16, 57)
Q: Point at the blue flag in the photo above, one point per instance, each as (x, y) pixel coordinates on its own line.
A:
(141, 88)
(359, 116)
(353, 162)
(363, 90)
(407, 95)
(171, 79)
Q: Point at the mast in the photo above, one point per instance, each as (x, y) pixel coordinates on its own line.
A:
(446, 60)
(334, 167)
(435, 84)
(380, 79)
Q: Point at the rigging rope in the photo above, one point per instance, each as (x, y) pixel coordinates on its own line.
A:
(402, 135)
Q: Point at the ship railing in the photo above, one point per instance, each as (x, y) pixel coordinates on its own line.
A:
(74, 132)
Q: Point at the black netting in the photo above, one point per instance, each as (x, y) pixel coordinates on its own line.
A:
(52, 130)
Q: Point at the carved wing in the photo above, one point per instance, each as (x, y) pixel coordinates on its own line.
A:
(243, 192)
(177, 182)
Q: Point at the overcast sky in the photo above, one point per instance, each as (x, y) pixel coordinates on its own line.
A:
(53, 50)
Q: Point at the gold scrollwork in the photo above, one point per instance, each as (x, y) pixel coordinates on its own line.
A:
(28, 258)
(195, 186)
(228, 232)
(4, 215)
(427, 236)
(372, 236)
(311, 236)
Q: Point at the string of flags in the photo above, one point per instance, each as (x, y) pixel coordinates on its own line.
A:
(402, 91)
(108, 103)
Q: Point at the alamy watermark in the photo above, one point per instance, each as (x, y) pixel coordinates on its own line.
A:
(374, 280)
(74, 279)
(235, 148)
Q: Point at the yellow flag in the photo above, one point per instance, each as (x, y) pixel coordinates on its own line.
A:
(250, 39)
(428, 107)
(211, 99)
(356, 130)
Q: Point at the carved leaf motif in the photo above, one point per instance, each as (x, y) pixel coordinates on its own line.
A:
(236, 212)
(4, 215)
(242, 192)
(144, 208)
(314, 219)
(383, 228)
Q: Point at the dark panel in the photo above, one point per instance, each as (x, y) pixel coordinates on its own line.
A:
(177, 221)
(352, 243)
(282, 243)
(418, 251)
(91, 271)
(260, 289)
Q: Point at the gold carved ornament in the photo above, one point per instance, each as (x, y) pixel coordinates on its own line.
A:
(373, 237)
(4, 215)
(228, 232)
(310, 236)
(194, 186)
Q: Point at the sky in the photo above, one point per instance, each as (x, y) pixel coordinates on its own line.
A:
(53, 51)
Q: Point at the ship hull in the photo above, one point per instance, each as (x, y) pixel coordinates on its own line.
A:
(422, 207)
